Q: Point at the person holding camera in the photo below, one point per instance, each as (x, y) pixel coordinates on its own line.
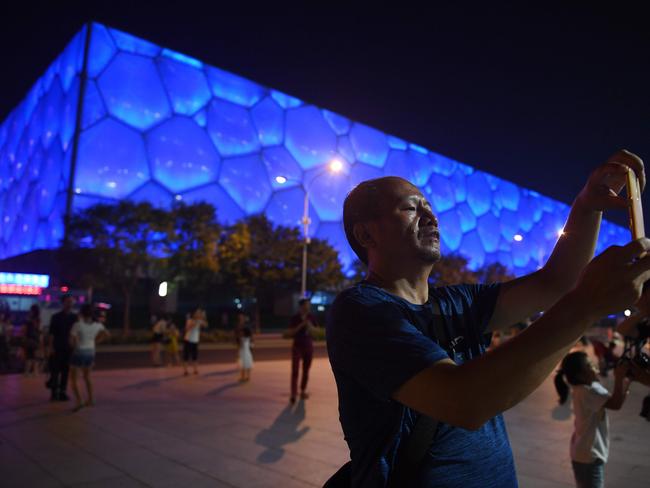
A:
(420, 399)
(302, 349)
(591, 400)
(636, 331)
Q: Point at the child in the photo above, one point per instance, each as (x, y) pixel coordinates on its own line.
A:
(172, 334)
(83, 335)
(590, 439)
(158, 329)
(245, 355)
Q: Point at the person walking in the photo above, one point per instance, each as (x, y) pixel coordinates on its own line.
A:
(245, 354)
(32, 340)
(5, 335)
(60, 349)
(84, 335)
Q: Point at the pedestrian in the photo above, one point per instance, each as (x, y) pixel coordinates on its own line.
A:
(60, 349)
(241, 321)
(171, 346)
(300, 329)
(159, 328)
(5, 335)
(245, 354)
(191, 339)
(83, 337)
(591, 400)
(636, 331)
(32, 340)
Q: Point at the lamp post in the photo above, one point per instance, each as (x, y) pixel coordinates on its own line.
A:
(335, 166)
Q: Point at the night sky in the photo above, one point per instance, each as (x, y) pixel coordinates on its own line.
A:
(538, 97)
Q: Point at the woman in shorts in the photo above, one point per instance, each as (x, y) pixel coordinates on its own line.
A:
(83, 337)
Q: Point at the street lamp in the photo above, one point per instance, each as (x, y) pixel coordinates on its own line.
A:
(335, 166)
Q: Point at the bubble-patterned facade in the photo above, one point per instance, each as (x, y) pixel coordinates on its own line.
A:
(156, 125)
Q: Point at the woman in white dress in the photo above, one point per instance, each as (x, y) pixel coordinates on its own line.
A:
(245, 354)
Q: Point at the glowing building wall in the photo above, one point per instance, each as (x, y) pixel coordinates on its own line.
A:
(36, 142)
(158, 126)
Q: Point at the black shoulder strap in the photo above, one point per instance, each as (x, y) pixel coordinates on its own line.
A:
(413, 450)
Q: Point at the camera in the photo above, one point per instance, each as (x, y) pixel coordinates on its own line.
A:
(633, 351)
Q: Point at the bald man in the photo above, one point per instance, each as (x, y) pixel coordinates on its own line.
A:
(391, 367)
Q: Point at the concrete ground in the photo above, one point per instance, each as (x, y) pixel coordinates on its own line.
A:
(155, 427)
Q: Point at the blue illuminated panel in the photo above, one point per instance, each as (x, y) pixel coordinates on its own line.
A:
(133, 92)
(161, 126)
(181, 155)
(25, 279)
(113, 160)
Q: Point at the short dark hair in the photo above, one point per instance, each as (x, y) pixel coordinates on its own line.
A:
(362, 205)
(86, 310)
(302, 301)
(65, 296)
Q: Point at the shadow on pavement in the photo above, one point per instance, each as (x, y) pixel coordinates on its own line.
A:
(153, 383)
(223, 388)
(283, 430)
(562, 412)
(221, 373)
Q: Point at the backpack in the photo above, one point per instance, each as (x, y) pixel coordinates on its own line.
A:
(412, 451)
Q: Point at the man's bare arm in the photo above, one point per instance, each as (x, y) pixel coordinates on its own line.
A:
(470, 394)
(536, 292)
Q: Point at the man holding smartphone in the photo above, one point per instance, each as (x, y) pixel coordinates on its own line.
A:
(391, 367)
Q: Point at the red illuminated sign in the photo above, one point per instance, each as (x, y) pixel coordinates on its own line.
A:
(19, 290)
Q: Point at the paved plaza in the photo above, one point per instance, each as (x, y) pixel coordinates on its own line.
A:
(155, 427)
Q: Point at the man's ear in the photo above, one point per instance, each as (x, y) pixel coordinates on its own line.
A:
(361, 232)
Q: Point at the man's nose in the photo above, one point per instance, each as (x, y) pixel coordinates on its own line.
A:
(429, 217)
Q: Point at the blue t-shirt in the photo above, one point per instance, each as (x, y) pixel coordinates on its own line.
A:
(376, 342)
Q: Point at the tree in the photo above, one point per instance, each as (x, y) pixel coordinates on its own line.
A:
(323, 266)
(192, 247)
(493, 273)
(451, 270)
(258, 258)
(128, 241)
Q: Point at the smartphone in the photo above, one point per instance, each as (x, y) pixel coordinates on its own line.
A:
(634, 206)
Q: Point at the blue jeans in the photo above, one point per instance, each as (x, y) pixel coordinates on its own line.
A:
(589, 475)
(82, 359)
